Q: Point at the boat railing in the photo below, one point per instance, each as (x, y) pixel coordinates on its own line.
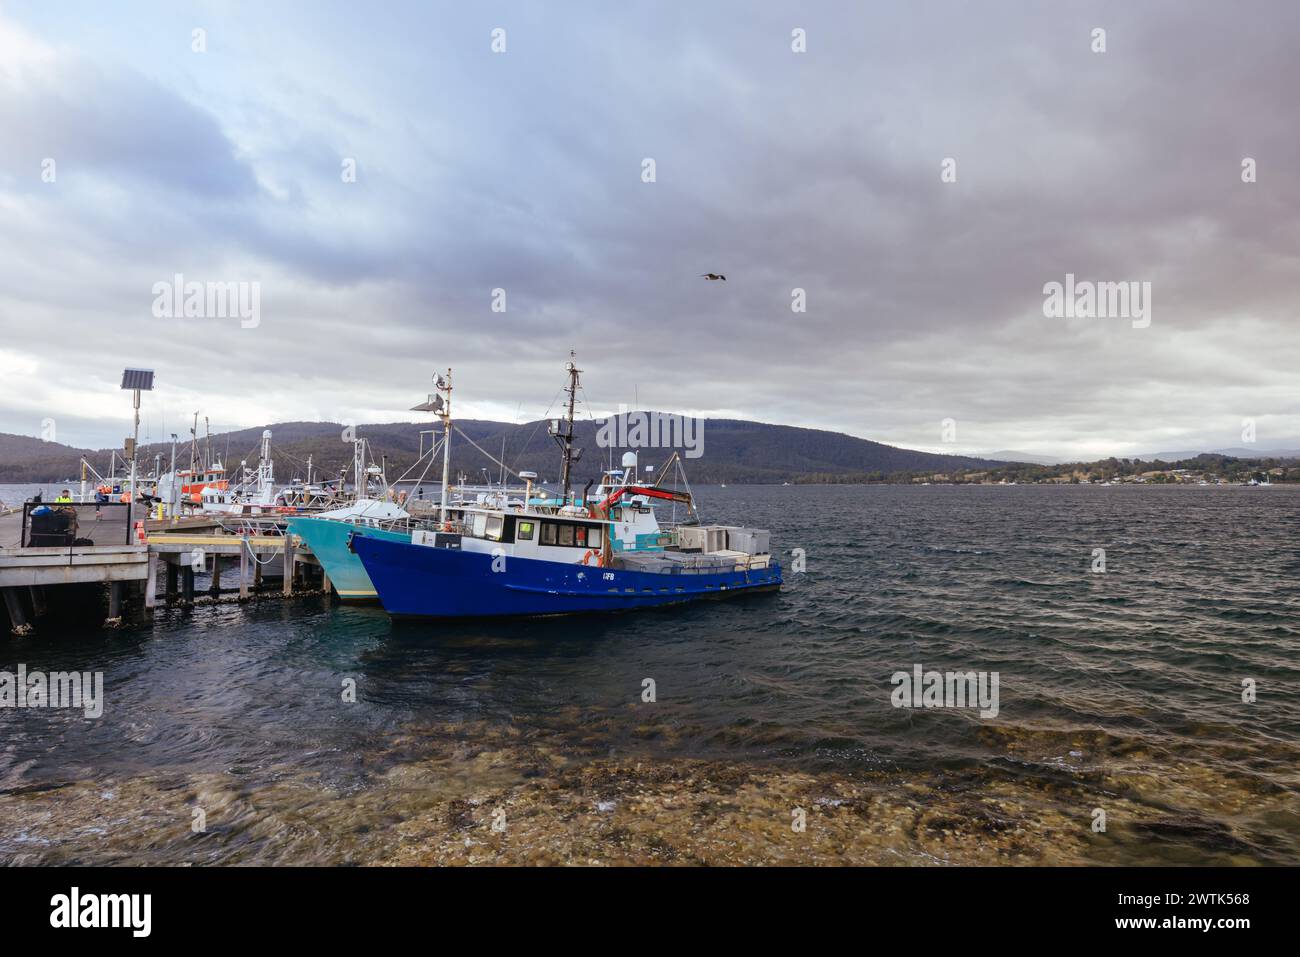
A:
(450, 526)
(254, 526)
(665, 566)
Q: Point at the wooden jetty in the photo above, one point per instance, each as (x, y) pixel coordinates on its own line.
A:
(162, 552)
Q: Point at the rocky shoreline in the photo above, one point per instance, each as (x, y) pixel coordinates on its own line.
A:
(518, 803)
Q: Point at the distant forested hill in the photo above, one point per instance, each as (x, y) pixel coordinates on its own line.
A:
(27, 459)
(733, 451)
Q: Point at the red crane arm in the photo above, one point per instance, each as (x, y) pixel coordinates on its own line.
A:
(669, 494)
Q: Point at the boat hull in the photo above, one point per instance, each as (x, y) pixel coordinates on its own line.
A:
(419, 581)
(328, 540)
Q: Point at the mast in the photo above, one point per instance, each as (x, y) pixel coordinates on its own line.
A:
(445, 386)
(359, 468)
(441, 408)
(265, 467)
(566, 437)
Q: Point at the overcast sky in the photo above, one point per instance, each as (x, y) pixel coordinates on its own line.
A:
(523, 170)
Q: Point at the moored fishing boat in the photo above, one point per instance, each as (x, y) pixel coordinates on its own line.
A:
(602, 553)
(415, 579)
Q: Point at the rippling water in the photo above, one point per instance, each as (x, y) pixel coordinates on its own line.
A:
(1119, 691)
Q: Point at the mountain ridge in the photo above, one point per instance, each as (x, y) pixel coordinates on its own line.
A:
(1049, 458)
(733, 450)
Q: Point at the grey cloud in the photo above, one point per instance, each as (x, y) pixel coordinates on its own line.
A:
(819, 171)
(120, 125)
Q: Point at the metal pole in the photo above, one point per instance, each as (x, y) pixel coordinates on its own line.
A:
(135, 441)
(173, 497)
(446, 450)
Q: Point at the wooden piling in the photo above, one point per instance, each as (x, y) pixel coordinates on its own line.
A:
(288, 565)
(151, 583)
(243, 570)
(17, 617)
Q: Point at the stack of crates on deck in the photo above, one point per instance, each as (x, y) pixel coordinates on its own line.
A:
(732, 544)
(752, 544)
(718, 537)
(703, 538)
(751, 541)
(692, 538)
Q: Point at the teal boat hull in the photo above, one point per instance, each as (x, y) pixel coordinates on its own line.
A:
(328, 540)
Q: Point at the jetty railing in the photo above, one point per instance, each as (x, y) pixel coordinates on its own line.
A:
(64, 524)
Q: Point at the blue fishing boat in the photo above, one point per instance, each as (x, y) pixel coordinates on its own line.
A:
(601, 553)
(417, 581)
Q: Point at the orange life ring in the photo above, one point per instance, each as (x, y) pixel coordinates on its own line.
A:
(600, 558)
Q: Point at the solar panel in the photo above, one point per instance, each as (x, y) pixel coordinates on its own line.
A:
(138, 379)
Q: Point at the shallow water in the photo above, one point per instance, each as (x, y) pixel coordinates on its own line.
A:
(1120, 691)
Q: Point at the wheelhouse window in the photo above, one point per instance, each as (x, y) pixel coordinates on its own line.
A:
(495, 523)
(563, 534)
(524, 531)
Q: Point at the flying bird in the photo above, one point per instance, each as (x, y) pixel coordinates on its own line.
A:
(713, 275)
